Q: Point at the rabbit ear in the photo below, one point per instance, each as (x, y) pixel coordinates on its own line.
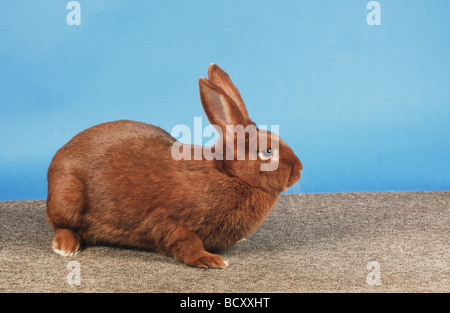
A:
(221, 79)
(219, 107)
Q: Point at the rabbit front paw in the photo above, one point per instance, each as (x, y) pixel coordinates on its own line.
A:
(208, 260)
(66, 242)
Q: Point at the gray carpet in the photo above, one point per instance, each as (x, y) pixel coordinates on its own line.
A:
(309, 243)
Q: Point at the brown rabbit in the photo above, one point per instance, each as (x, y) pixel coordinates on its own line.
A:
(117, 183)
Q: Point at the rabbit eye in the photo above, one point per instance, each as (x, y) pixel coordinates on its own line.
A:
(265, 154)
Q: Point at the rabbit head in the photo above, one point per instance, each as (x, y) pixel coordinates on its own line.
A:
(258, 157)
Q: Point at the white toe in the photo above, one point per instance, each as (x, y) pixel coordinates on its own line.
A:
(60, 252)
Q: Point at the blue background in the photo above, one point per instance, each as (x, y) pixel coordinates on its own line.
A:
(366, 108)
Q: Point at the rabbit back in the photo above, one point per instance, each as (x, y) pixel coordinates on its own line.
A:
(107, 178)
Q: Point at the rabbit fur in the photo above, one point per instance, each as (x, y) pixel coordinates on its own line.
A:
(116, 183)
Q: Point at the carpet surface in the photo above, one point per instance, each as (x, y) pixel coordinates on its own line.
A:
(348, 242)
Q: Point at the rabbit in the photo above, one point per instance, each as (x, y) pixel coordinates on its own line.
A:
(116, 183)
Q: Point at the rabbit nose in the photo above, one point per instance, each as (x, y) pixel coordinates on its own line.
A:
(295, 172)
(297, 168)
(300, 164)
(297, 165)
